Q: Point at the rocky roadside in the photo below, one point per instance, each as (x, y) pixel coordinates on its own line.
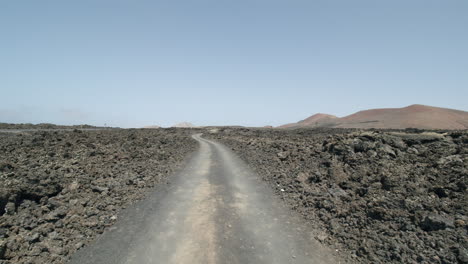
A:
(59, 190)
(381, 196)
(45, 126)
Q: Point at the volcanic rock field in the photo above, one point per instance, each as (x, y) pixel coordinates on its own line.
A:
(60, 189)
(379, 196)
(376, 196)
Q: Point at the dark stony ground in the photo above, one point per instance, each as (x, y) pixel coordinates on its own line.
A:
(60, 189)
(43, 126)
(380, 196)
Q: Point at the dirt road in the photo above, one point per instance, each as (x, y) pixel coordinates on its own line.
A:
(214, 211)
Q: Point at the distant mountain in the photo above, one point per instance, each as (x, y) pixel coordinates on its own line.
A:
(315, 120)
(413, 116)
(183, 124)
(152, 127)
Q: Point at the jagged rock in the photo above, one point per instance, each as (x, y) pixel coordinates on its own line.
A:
(2, 249)
(436, 222)
(453, 159)
(33, 238)
(6, 166)
(386, 149)
(462, 255)
(460, 223)
(340, 149)
(10, 208)
(337, 192)
(99, 189)
(283, 155)
(74, 186)
(389, 182)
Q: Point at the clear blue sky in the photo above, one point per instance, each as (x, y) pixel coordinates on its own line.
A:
(218, 62)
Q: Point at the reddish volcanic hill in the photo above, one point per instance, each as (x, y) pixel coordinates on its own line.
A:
(413, 116)
(315, 120)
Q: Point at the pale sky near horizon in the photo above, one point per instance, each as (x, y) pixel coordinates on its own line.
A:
(253, 63)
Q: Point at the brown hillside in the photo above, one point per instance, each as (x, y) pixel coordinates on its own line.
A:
(315, 120)
(413, 116)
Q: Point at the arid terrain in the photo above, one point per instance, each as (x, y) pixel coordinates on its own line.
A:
(214, 211)
(383, 196)
(375, 196)
(413, 116)
(60, 189)
(234, 132)
(43, 126)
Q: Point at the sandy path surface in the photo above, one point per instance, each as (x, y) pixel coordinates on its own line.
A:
(215, 210)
